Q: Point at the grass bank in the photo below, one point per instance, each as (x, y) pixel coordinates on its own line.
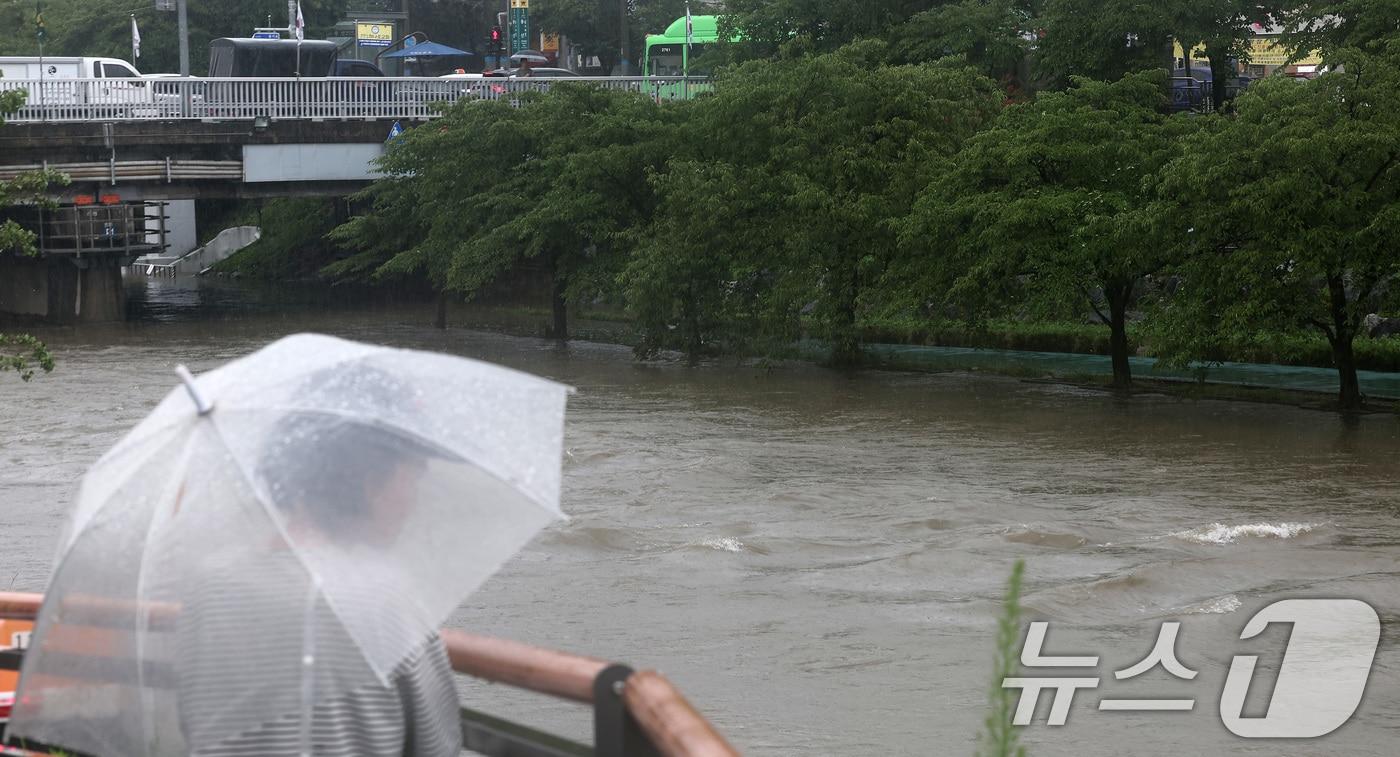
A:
(610, 325)
(1277, 348)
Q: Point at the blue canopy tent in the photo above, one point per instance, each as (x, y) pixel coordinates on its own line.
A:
(431, 58)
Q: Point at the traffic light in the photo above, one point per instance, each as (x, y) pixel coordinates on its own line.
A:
(498, 39)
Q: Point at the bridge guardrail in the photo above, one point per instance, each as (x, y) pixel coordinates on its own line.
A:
(164, 99)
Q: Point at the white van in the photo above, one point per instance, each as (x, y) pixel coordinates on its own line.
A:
(65, 83)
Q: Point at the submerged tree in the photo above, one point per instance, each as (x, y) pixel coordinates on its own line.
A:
(1052, 205)
(1294, 208)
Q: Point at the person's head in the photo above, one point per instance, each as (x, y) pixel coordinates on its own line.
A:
(332, 468)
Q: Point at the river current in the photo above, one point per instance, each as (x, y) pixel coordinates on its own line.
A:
(817, 558)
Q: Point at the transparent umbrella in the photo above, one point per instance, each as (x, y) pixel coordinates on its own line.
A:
(529, 56)
(277, 533)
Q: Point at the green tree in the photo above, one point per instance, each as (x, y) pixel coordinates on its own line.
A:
(490, 187)
(1051, 206)
(1336, 26)
(1223, 27)
(596, 26)
(991, 35)
(696, 280)
(21, 353)
(826, 151)
(1294, 208)
(1104, 39)
(798, 27)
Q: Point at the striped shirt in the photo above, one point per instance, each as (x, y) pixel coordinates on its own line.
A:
(265, 666)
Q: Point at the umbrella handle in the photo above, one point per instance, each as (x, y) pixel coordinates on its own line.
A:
(201, 403)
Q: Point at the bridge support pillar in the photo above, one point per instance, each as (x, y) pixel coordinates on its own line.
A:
(62, 291)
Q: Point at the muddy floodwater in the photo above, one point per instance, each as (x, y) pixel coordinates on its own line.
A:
(817, 558)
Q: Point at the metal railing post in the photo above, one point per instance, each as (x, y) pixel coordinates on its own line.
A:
(615, 731)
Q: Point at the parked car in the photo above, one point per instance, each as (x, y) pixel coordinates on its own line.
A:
(544, 73)
(177, 96)
(349, 67)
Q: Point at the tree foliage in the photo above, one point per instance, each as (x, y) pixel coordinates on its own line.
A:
(20, 352)
(993, 36)
(822, 154)
(490, 186)
(1049, 206)
(1295, 207)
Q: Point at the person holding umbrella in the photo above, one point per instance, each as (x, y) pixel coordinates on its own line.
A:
(261, 566)
(524, 59)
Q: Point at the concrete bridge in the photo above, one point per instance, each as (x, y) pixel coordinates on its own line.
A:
(130, 145)
(185, 138)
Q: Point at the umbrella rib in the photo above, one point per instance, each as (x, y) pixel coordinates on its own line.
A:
(270, 509)
(128, 473)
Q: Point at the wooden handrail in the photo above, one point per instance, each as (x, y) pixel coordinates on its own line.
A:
(662, 712)
(544, 671)
(669, 720)
(16, 605)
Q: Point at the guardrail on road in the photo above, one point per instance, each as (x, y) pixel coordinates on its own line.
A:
(160, 99)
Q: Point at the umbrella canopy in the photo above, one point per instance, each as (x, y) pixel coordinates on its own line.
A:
(427, 50)
(530, 56)
(277, 533)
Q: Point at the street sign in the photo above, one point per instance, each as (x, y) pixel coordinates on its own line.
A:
(266, 35)
(519, 25)
(374, 34)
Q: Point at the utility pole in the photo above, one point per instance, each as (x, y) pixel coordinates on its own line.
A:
(182, 20)
(623, 65)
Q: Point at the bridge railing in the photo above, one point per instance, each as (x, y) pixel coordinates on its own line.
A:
(160, 99)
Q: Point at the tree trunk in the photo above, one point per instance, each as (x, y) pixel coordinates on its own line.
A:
(1345, 360)
(1342, 336)
(845, 342)
(690, 318)
(440, 321)
(1118, 297)
(559, 320)
(1220, 73)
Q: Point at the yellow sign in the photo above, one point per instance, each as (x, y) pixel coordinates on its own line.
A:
(549, 43)
(520, 3)
(374, 34)
(1197, 53)
(1265, 51)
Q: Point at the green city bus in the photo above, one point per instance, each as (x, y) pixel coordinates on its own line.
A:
(667, 56)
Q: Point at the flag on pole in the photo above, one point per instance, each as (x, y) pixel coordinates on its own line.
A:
(135, 39)
(39, 30)
(689, 26)
(301, 24)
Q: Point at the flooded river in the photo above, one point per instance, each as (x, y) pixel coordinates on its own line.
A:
(817, 558)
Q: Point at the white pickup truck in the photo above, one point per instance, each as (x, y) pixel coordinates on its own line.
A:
(106, 83)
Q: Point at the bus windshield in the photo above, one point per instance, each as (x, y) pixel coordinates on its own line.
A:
(697, 67)
(666, 60)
